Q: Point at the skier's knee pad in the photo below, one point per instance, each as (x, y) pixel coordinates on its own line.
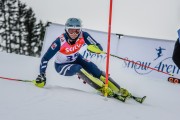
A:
(92, 81)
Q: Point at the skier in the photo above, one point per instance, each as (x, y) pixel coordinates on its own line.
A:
(176, 52)
(69, 62)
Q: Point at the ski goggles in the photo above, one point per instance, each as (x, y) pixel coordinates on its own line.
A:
(74, 31)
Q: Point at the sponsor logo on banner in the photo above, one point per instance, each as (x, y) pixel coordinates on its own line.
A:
(160, 63)
(93, 56)
(159, 52)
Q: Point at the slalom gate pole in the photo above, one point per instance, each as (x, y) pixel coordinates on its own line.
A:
(108, 47)
(15, 79)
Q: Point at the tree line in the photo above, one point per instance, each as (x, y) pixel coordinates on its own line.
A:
(20, 32)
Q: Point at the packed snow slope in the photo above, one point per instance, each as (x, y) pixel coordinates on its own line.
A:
(67, 98)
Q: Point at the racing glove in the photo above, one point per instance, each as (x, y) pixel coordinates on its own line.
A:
(40, 81)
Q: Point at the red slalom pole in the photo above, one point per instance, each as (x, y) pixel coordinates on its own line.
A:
(108, 47)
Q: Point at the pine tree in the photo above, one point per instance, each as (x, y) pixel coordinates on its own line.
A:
(39, 43)
(1, 21)
(11, 14)
(3, 24)
(20, 26)
(30, 31)
(19, 31)
(8, 9)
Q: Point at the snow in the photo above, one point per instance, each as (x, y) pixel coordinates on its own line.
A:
(67, 98)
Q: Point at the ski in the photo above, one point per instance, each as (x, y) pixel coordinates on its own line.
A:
(123, 99)
(139, 99)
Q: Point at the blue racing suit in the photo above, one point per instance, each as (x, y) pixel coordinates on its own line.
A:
(68, 60)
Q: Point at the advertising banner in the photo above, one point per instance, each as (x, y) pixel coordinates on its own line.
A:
(153, 53)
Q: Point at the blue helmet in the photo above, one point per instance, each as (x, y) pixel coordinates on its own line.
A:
(73, 23)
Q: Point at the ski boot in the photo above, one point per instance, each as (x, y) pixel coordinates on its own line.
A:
(124, 93)
(40, 81)
(110, 93)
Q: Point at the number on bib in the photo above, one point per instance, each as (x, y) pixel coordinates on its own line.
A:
(72, 57)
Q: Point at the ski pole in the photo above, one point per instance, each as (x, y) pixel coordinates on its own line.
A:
(15, 79)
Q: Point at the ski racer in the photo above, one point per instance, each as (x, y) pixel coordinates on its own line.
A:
(176, 52)
(69, 62)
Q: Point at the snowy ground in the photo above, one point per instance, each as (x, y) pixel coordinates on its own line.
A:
(67, 98)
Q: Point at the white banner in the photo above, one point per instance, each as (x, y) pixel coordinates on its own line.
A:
(154, 53)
